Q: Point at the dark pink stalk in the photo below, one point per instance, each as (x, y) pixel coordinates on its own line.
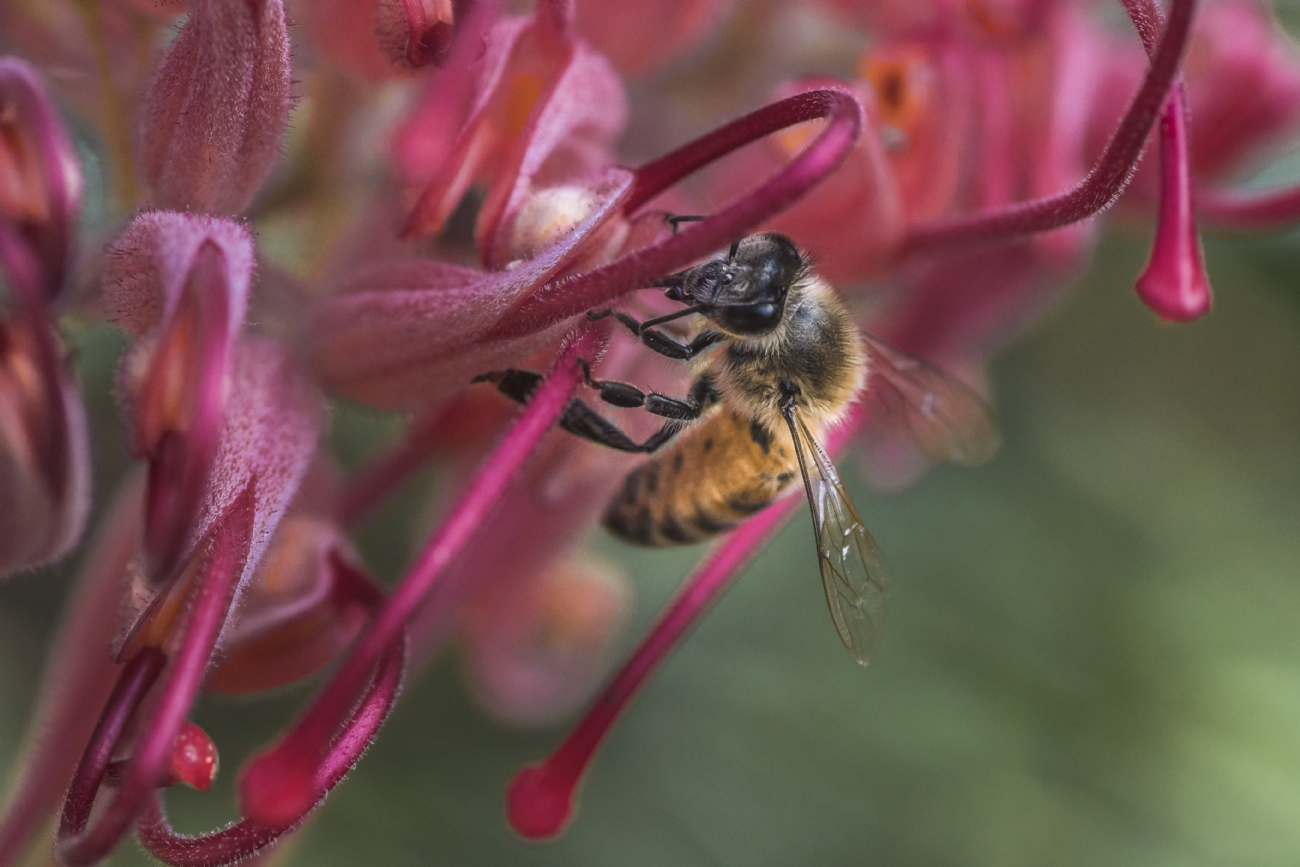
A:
(80, 843)
(540, 798)
(1095, 192)
(279, 785)
(569, 296)
(1173, 284)
(137, 678)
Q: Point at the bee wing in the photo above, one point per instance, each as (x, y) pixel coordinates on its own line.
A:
(853, 573)
(941, 416)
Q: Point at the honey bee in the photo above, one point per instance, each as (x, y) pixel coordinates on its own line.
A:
(776, 359)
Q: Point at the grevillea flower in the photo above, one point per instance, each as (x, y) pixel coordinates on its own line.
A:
(956, 161)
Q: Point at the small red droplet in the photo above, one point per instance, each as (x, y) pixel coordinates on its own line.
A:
(539, 802)
(193, 760)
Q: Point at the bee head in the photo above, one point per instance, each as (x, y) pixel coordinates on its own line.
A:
(744, 292)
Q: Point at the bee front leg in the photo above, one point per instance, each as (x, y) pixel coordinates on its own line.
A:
(660, 342)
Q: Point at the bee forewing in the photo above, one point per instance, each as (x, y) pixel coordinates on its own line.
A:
(943, 417)
(853, 572)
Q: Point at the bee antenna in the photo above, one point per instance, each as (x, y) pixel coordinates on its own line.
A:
(735, 247)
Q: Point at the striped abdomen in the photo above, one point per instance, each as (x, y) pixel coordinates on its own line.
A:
(711, 478)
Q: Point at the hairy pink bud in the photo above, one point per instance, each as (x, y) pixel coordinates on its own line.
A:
(217, 106)
(40, 182)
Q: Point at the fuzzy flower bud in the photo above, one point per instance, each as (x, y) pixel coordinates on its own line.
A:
(44, 459)
(217, 107)
(40, 180)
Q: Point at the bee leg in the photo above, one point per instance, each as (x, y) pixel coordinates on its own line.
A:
(628, 396)
(631, 324)
(671, 347)
(581, 420)
(518, 385)
(675, 219)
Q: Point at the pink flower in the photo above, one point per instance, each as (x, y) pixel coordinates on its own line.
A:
(959, 164)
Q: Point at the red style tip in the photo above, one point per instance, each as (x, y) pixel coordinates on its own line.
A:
(539, 800)
(275, 790)
(1174, 284)
(194, 759)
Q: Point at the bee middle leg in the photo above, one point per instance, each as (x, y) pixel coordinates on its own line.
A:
(581, 420)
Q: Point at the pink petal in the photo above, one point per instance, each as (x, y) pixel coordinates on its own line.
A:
(150, 261)
(297, 612)
(416, 33)
(852, 223)
(502, 98)
(567, 139)
(451, 101)
(216, 110)
(180, 282)
(1243, 87)
(1103, 184)
(272, 424)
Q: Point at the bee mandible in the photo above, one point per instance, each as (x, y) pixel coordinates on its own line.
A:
(776, 359)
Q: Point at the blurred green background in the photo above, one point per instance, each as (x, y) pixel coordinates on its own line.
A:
(1092, 656)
